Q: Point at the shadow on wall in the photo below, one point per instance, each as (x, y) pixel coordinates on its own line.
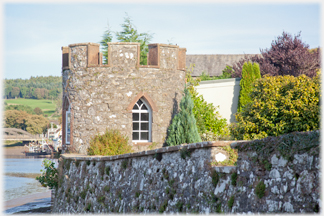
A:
(235, 100)
(175, 110)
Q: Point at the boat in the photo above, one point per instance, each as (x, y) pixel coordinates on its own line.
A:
(43, 148)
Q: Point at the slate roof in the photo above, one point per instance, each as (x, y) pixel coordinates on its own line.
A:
(213, 64)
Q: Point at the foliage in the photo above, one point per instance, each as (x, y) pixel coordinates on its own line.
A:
(20, 107)
(230, 202)
(260, 189)
(286, 145)
(250, 72)
(232, 157)
(287, 56)
(107, 37)
(33, 88)
(215, 177)
(226, 74)
(49, 177)
(183, 128)
(130, 34)
(208, 120)
(38, 111)
(234, 178)
(112, 142)
(280, 105)
(33, 124)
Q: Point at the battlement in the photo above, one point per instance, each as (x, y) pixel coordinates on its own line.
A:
(125, 54)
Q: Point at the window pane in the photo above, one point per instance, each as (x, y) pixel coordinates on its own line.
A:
(68, 137)
(68, 128)
(135, 126)
(135, 135)
(144, 116)
(139, 102)
(144, 107)
(135, 107)
(144, 126)
(135, 116)
(68, 117)
(144, 135)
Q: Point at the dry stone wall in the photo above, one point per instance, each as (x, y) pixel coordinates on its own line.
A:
(182, 179)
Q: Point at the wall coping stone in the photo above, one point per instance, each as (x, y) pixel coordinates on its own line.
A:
(220, 81)
(198, 145)
(84, 44)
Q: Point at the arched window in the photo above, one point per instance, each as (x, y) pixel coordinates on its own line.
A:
(68, 126)
(142, 121)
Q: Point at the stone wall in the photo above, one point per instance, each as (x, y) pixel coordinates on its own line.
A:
(102, 96)
(267, 179)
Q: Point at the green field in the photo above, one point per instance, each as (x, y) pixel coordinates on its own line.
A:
(46, 106)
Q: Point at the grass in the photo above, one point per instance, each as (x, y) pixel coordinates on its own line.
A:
(9, 143)
(46, 106)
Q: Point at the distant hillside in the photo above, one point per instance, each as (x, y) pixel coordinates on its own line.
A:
(33, 88)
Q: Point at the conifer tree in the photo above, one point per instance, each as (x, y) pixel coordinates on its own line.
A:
(183, 128)
(107, 37)
(130, 34)
(250, 72)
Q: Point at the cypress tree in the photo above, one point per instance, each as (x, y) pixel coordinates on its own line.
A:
(250, 72)
(183, 128)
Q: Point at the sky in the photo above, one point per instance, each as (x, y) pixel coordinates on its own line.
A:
(33, 32)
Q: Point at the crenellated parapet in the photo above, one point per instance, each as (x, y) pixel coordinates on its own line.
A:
(99, 96)
(125, 54)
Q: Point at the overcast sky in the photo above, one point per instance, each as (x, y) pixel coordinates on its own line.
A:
(34, 33)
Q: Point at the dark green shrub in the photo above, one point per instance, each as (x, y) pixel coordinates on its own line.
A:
(112, 142)
(250, 72)
(183, 128)
(280, 105)
(260, 189)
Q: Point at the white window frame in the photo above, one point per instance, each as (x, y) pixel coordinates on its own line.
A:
(149, 111)
(67, 120)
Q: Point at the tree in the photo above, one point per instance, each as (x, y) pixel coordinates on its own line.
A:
(107, 37)
(287, 56)
(20, 107)
(130, 34)
(15, 92)
(183, 128)
(23, 92)
(38, 111)
(250, 72)
(36, 124)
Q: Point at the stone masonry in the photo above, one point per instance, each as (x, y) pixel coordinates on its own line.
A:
(102, 96)
(182, 179)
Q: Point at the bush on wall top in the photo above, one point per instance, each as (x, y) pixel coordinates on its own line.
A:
(112, 142)
(280, 105)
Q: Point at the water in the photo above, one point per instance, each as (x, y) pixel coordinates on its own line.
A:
(19, 177)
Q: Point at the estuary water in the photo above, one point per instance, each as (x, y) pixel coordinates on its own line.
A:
(19, 177)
